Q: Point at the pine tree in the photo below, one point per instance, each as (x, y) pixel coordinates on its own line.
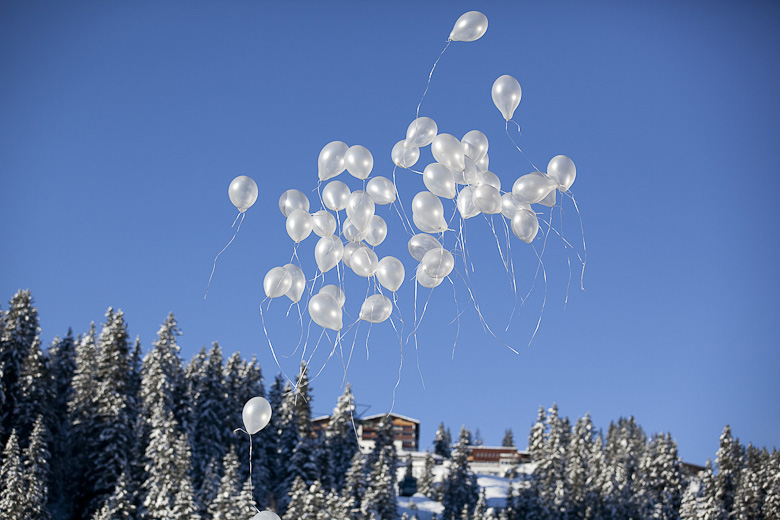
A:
(460, 485)
(771, 507)
(246, 502)
(269, 438)
(384, 439)
(426, 480)
(624, 448)
(582, 472)
(62, 361)
(13, 497)
(380, 499)
(340, 437)
(750, 497)
(509, 439)
(119, 505)
(35, 391)
(297, 500)
(224, 506)
(535, 496)
(354, 488)
(480, 509)
(729, 462)
(36, 472)
(660, 480)
(441, 443)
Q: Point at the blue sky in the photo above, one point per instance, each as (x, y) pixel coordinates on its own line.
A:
(122, 124)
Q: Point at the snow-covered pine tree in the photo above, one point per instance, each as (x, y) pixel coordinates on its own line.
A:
(459, 487)
(426, 480)
(13, 496)
(533, 495)
(623, 449)
(441, 442)
(509, 439)
(20, 331)
(660, 479)
(380, 499)
(315, 503)
(334, 506)
(37, 474)
(750, 496)
(384, 438)
(771, 507)
(480, 509)
(268, 440)
(35, 391)
(114, 409)
(555, 490)
(224, 506)
(296, 502)
(579, 474)
(354, 488)
(245, 501)
(62, 367)
(729, 461)
(340, 437)
(120, 504)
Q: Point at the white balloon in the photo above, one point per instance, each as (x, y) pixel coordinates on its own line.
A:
(483, 163)
(421, 132)
(323, 223)
(439, 180)
(350, 248)
(472, 175)
(277, 282)
(391, 273)
(359, 161)
(364, 262)
(376, 309)
(335, 292)
(335, 195)
(325, 311)
(403, 155)
(510, 205)
(256, 415)
(477, 144)
(487, 199)
(328, 253)
(561, 169)
(438, 263)
(266, 515)
(381, 189)
(469, 27)
(425, 280)
(331, 160)
(465, 202)
(525, 225)
(242, 192)
(447, 150)
(377, 231)
(549, 200)
(298, 283)
(351, 232)
(299, 225)
(292, 200)
(491, 179)
(428, 213)
(360, 209)
(533, 187)
(506, 95)
(420, 244)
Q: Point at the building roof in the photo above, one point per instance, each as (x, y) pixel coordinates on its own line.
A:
(391, 414)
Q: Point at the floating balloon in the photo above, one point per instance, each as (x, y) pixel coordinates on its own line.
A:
(363, 262)
(376, 308)
(360, 209)
(242, 192)
(420, 244)
(477, 144)
(299, 225)
(377, 231)
(359, 161)
(390, 272)
(277, 282)
(381, 189)
(483, 163)
(323, 223)
(465, 202)
(533, 187)
(328, 252)
(491, 179)
(510, 205)
(469, 27)
(439, 180)
(438, 263)
(298, 284)
(447, 150)
(325, 311)
(403, 155)
(256, 415)
(421, 132)
(266, 515)
(506, 95)
(549, 200)
(335, 195)
(331, 160)
(525, 225)
(425, 280)
(472, 175)
(428, 213)
(487, 199)
(350, 248)
(561, 169)
(292, 200)
(335, 292)
(352, 233)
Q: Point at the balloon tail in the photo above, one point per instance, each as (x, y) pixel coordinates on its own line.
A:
(516, 145)
(270, 345)
(400, 364)
(239, 219)
(544, 301)
(458, 313)
(513, 276)
(399, 203)
(430, 76)
(584, 257)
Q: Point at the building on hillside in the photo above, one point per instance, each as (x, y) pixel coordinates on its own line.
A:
(496, 460)
(406, 431)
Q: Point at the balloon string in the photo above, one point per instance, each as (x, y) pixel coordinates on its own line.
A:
(251, 484)
(398, 334)
(213, 267)
(516, 145)
(458, 314)
(582, 230)
(268, 338)
(513, 275)
(402, 212)
(544, 275)
(430, 75)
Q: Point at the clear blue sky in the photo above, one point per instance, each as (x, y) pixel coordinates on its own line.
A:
(122, 123)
